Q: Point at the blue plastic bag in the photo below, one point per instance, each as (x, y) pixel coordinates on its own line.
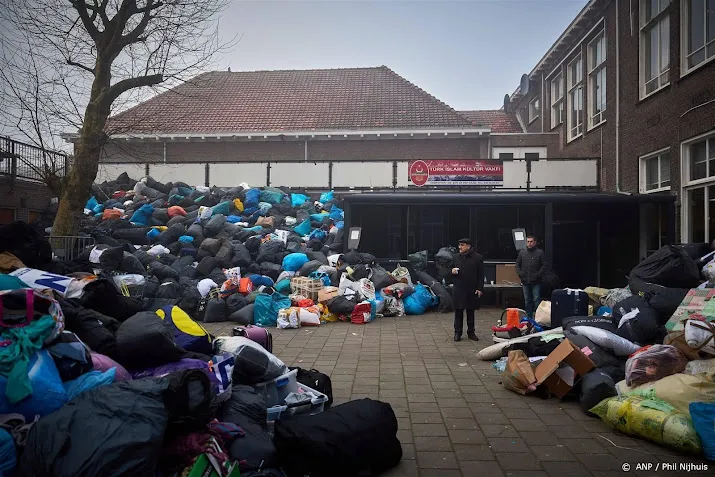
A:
(340, 225)
(98, 209)
(253, 196)
(153, 233)
(233, 219)
(271, 196)
(91, 203)
(175, 199)
(223, 208)
(87, 381)
(318, 234)
(185, 191)
(283, 286)
(418, 302)
(322, 276)
(294, 261)
(304, 228)
(186, 239)
(261, 280)
(336, 213)
(326, 197)
(604, 310)
(703, 416)
(266, 308)
(143, 215)
(318, 217)
(48, 393)
(296, 200)
(8, 454)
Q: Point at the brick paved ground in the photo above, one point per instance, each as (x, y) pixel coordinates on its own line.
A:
(455, 418)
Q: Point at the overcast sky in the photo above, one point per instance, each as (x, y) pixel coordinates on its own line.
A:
(467, 53)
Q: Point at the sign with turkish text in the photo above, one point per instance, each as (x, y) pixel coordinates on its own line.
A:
(457, 173)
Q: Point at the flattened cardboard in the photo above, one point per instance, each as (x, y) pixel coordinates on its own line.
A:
(567, 353)
(506, 274)
(327, 293)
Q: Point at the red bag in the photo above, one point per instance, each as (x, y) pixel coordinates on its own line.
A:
(111, 214)
(175, 210)
(361, 314)
(305, 303)
(245, 286)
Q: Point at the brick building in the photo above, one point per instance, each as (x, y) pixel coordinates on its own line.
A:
(633, 82)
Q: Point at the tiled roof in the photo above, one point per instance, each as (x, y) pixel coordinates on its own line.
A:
(496, 119)
(297, 100)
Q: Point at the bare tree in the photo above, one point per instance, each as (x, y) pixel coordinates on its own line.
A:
(68, 65)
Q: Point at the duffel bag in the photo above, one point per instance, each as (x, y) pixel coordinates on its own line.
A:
(358, 438)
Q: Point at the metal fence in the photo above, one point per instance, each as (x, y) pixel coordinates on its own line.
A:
(25, 161)
(69, 247)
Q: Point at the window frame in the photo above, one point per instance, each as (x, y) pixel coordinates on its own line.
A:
(684, 35)
(642, 161)
(534, 106)
(557, 105)
(592, 74)
(688, 185)
(577, 87)
(645, 27)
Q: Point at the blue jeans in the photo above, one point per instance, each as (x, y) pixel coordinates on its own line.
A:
(532, 298)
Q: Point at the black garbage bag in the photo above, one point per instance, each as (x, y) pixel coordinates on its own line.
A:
(26, 243)
(161, 215)
(215, 225)
(600, 357)
(197, 233)
(360, 271)
(225, 254)
(71, 356)
(662, 299)
(368, 258)
(696, 251)
(595, 387)
(272, 270)
(217, 275)
(418, 261)
(643, 329)
(247, 408)
(182, 262)
(171, 234)
(135, 235)
(162, 271)
(445, 299)
(272, 251)
(93, 328)
(211, 245)
(253, 244)
(190, 300)
(244, 316)
(188, 272)
(341, 306)
(241, 255)
(310, 267)
(111, 258)
(176, 220)
(170, 290)
(215, 311)
(145, 340)
(352, 439)
(131, 264)
(206, 266)
(144, 258)
(294, 247)
(444, 261)
(603, 322)
(317, 256)
(380, 277)
(235, 303)
(352, 258)
(101, 295)
(670, 267)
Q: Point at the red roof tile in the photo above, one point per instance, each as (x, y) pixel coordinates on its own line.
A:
(298, 100)
(496, 119)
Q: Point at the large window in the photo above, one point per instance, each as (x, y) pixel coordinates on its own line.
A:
(494, 224)
(655, 172)
(557, 100)
(655, 45)
(699, 189)
(698, 42)
(382, 230)
(575, 98)
(597, 80)
(534, 107)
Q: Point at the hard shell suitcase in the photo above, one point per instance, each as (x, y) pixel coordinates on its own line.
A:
(255, 333)
(567, 302)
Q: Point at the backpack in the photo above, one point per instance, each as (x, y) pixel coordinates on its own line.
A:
(316, 380)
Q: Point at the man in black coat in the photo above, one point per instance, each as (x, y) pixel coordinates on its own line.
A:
(530, 266)
(468, 274)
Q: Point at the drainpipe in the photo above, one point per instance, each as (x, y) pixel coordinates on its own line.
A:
(305, 153)
(618, 102)
(164, 152)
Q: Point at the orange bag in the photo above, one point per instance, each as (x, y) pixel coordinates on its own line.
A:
(175, 210)
(245, 286)
(111, 214)
(512, 317)
(306, 303)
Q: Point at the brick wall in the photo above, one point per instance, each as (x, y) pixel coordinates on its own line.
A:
(24, 197)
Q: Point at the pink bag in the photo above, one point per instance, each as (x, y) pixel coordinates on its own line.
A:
(105, 363)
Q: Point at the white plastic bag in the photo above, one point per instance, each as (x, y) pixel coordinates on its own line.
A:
(367, 288)
(288, 318)
(158, 250)
(543, 313)
(700, 335)
(709, 270)
(309, 316)
(401, 274)
(205, 286)
(234, 344)
(629, 316)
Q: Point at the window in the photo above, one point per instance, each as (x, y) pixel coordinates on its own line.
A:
(655, 172)
(7, 215)
(699, 189)
(533, 109)
(557, 100)
(655, 45)
(575, 98)
(597, 80)
(698, 32)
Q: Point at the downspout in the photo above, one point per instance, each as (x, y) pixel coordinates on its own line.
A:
(305, 153)
(542, 102)
(618, 102)
(164, 152)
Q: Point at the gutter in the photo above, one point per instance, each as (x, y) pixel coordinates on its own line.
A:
(618, 102)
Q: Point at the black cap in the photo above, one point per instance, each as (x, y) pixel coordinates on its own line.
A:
(465, 241)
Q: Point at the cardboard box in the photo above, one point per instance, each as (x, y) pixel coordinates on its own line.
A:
(327, 293)
(506, 274)
(560, 379)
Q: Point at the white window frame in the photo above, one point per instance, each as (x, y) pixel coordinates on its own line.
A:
(659, 156)
(574, 87)
(556, 91)
(688, 185)
(596, 119)
(659, 21)
(685, 35)
(518, 152)
(534, 110)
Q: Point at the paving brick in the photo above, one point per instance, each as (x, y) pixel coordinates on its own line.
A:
(494, 417)
(546, 453)
(457, 413)
(471, 389)
(429, 430)
(392, 385)
(452, 423)
(432, 444)
(451, 402)
(498, 430)
(601, 462)
(584, 446)
(440, 473)
(473, 452)
(423, 397)
(507, 444)
(423, 407)
(518, 461)
(467, 436)
(484, 398)
(426, 418)
(406, 468)
(565, 469)
(529, 425)
(437, 460)
(405, 436)
(388, 393)
(481, 468)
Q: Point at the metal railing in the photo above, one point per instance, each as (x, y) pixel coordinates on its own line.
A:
(69, 247)
(25, 161)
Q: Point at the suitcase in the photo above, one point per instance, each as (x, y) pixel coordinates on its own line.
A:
(255, 333)
(567, 302)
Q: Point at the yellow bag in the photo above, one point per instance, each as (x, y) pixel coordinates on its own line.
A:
(650, 419)
(597, 295)
(325, 315)
(678, 390)
(238, 204)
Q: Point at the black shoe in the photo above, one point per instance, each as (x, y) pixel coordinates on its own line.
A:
(472, 337)
(457, 337)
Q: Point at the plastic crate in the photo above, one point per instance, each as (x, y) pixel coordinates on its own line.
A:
(276, 390)
(306, 287)
(315, 406)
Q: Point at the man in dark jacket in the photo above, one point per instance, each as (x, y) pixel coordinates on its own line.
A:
(468, 274)
(530, 265)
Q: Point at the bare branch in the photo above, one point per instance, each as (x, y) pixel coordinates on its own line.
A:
(130, 83)
(87, 21)
(81, 66)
